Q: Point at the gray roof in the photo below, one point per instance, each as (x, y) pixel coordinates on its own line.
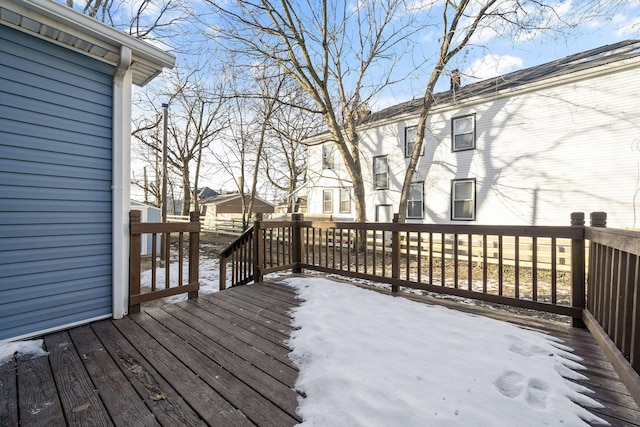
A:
(573, 63)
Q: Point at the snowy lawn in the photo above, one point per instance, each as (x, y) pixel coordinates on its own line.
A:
(368, 359)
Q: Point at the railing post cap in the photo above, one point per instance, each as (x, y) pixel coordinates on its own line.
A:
(258, 216)
(598, 219)
(194, 216)
(577, 218)
(135, 215)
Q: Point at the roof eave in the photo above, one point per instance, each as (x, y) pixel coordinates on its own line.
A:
(96, 32)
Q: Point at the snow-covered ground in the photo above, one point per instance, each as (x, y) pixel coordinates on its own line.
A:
(368, 359)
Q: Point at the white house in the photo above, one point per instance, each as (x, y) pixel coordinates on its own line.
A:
(65, 129)
(525, 148)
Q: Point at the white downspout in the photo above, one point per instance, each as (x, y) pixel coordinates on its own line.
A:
(121, 189)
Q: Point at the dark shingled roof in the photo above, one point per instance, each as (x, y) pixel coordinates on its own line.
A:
(570, 64)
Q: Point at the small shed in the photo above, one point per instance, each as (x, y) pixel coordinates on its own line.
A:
(65, 129)
(148, 213)
(231, 204)
(225, 211)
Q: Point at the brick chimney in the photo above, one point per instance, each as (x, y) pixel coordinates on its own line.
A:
(455, 80)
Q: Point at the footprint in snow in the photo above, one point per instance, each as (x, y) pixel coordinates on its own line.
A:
(514, 384)
(521, 347)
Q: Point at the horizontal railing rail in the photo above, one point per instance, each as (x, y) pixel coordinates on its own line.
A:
(162, 258)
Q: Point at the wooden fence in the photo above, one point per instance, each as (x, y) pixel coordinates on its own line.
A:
(177, 251)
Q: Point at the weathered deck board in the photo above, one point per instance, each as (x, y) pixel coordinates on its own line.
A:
(38, 401)
(79, 399)
(218, 360)
(8, 394)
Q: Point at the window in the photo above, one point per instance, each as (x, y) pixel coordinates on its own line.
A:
(345, 200)
(463, 130)
(463, 199)
(381, 172)
(409, 138)
(327, 156)
(327, 201)
(414, 205)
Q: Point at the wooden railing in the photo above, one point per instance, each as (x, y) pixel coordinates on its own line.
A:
(239, 255)
(613, 307)
(540, 268)
(163, 257)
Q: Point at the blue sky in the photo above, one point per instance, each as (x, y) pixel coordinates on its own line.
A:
(494, 55)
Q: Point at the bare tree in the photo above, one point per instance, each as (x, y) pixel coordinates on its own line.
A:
(331, 50)
(148, 132)
(284, 158)
(143, 19)
(197, 116)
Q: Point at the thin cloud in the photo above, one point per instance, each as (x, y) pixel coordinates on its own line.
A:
(492, 65)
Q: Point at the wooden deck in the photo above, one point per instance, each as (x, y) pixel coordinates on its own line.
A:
(219, 360)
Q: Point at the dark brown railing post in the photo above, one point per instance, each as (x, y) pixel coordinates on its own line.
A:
(222, 285)
(578, 278)
(296, 241)
(194, 254)
(258, 248)
(134, 261)
(395, 253)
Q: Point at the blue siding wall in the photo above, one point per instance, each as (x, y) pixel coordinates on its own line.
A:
(55, 185)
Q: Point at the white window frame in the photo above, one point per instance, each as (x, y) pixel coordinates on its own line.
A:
(327, 200)
(471, 132)
(328, 159)
(378, 172)
(409, 137)
(411, 202)
(457, 199)
(345, 200)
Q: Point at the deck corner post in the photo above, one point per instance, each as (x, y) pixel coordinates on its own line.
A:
(194, 253)
(296, 242)
(578, 274)
(134, 259)
(395, 254)
(258, 247)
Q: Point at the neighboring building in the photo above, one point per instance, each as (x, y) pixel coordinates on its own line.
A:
(65, 129)
(231, 204)
(206, 192)
(526, 148)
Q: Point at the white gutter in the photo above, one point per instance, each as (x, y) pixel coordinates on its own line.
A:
(121, 189)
